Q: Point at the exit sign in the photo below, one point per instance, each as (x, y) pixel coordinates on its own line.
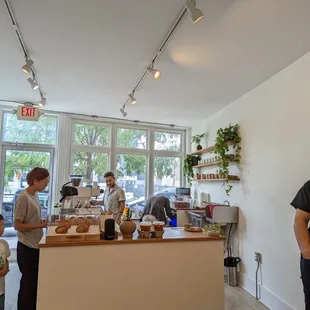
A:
(25, 113)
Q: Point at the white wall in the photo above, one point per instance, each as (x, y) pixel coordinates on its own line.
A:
(275, 130)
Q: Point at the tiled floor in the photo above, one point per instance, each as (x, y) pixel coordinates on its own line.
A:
(235, 297)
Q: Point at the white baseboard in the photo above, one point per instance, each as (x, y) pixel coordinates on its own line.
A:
(268, 298)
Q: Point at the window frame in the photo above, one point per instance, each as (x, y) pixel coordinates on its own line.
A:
(30, 144)
(89, 148)
(53, 148)
(113, 150)
(119, 126)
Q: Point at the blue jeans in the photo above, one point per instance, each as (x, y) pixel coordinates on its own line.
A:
(2, 302)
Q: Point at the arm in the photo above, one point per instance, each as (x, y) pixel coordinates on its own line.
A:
(121, 205)
(20, 226)
(168, 209)
(301, 232)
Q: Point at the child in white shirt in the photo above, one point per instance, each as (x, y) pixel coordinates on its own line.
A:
(4, 263)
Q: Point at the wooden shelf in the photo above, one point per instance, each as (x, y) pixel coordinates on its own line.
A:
(214, 180)
(210, 164)
(206, 165)
(209, 149)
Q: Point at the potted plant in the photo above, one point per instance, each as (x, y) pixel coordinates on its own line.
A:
(197, 139)
(224, 137)
(189, 162)
(127, 227)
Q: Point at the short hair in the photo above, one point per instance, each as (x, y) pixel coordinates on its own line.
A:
(37, 174)
(109, 174)
(1, 217)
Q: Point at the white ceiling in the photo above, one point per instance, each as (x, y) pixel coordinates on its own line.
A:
(89, 54)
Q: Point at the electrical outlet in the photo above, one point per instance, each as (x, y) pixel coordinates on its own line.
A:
(258, 257)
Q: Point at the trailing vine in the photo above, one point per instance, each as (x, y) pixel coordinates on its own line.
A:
(226, 136)
(189, 162)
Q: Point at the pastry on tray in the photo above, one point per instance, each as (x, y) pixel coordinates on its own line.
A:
(61, 230)
(65, 223)
(82, 229)
(194, 229)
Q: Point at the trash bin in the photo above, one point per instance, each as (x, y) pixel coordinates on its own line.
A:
(231, 264)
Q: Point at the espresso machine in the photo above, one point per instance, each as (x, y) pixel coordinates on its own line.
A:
(77, 199)
(67, 194)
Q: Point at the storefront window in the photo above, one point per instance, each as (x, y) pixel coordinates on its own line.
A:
(43, 131)
(167, 174)
(131, 176)
(92, 135)
(131, 138)
(92, 166)
(167, 141)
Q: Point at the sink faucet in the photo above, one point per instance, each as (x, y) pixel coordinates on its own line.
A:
(226, 202)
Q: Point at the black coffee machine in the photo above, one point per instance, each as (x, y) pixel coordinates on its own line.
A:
(67, 193)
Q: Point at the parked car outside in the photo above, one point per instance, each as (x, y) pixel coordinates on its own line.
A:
(8, 207)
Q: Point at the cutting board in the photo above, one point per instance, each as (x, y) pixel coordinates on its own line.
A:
(72, 235)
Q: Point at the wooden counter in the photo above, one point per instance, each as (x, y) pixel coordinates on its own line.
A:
(182, 271)
(171, 235)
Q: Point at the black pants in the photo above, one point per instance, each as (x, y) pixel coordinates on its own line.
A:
(28, 263)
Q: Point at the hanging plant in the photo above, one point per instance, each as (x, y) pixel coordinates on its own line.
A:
(189, 162)
(225, 136)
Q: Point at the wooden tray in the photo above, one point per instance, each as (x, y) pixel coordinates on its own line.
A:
(72, 235)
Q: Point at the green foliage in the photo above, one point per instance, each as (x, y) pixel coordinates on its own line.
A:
(41, 132)
(22, 162)
(131, 138)
(189, 162)
(132, 164)
(224, 136)
(88, 164)
(167, 141)
(218, 227)
(197, 139)
(93, 135)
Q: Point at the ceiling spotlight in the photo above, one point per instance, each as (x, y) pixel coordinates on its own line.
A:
(34, 85)
(132, 98)
(27, 67)
(195, 14)
(123, 112)
(42, 102)
(155, 72)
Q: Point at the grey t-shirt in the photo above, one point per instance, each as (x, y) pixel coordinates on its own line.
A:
(27, 210)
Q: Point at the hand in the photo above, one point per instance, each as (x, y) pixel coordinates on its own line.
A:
(4, 270)
(306, 252)
(118, 221)
(43, 223)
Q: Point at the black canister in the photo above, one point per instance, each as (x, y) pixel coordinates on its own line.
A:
(109, 229)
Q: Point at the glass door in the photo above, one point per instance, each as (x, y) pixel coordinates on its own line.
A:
(16, 163)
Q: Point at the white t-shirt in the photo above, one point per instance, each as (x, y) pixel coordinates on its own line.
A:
(4, 254)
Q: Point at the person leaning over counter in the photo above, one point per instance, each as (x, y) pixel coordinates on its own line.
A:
(114, 198)
(158, 207)
(29, 226)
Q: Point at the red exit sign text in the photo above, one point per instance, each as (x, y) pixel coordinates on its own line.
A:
(25, 113)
